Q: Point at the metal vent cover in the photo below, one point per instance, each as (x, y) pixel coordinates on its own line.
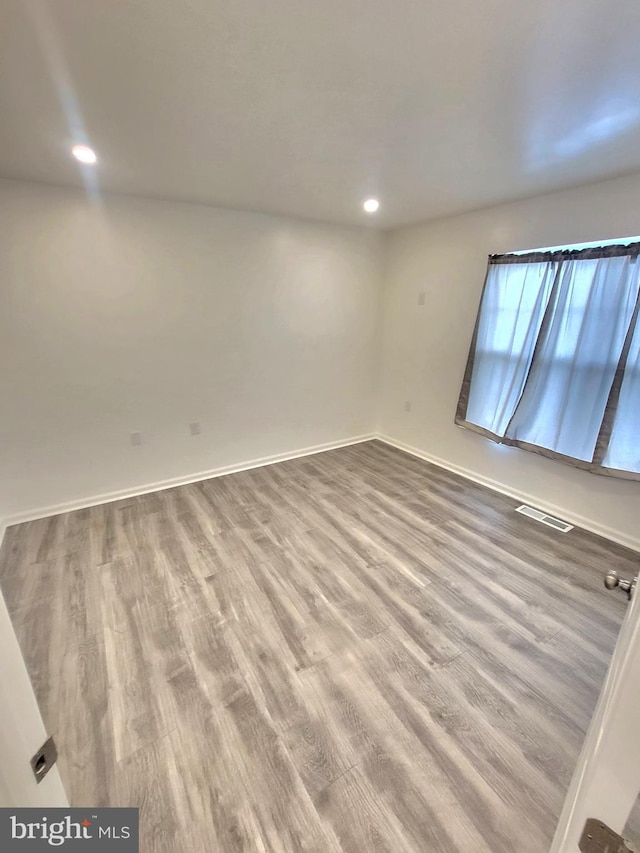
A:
(543, 518)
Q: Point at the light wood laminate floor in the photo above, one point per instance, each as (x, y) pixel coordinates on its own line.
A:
(354, 651)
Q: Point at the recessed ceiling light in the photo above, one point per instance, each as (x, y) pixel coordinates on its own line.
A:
(371, 205)
(84, 154)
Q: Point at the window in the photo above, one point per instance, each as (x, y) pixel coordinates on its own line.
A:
(554, 364)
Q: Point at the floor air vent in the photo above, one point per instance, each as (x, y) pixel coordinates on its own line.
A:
(543, 518)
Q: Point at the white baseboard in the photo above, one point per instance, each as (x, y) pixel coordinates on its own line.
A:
(523, 497)
(109, 497)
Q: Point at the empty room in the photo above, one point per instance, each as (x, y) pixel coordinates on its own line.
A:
(320, 426)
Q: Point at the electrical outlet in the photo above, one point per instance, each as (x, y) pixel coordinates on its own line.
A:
(407, 406)
(421, 298)
(136, 439)
(194, 428)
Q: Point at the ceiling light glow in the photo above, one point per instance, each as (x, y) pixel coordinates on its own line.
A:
(371, 205)
(84, 154)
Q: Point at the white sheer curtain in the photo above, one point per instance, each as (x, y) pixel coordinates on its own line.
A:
(624, 446)
(562, 407)
(553, 333)
(515, 298)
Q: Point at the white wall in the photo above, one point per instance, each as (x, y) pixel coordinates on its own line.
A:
(143, 316)
(425, 347)
(132, 315)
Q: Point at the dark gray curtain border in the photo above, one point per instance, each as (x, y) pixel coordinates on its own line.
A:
(463, 399)
(606, 429)
(590, 467)
(595, 253)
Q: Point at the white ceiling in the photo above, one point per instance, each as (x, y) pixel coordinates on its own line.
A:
(307, 107)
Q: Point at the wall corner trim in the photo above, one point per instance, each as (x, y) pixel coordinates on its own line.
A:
(585, 523)
(589, 524)
(160, 485)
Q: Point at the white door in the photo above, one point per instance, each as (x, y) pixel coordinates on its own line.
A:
(22, 731)
(606, 782)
